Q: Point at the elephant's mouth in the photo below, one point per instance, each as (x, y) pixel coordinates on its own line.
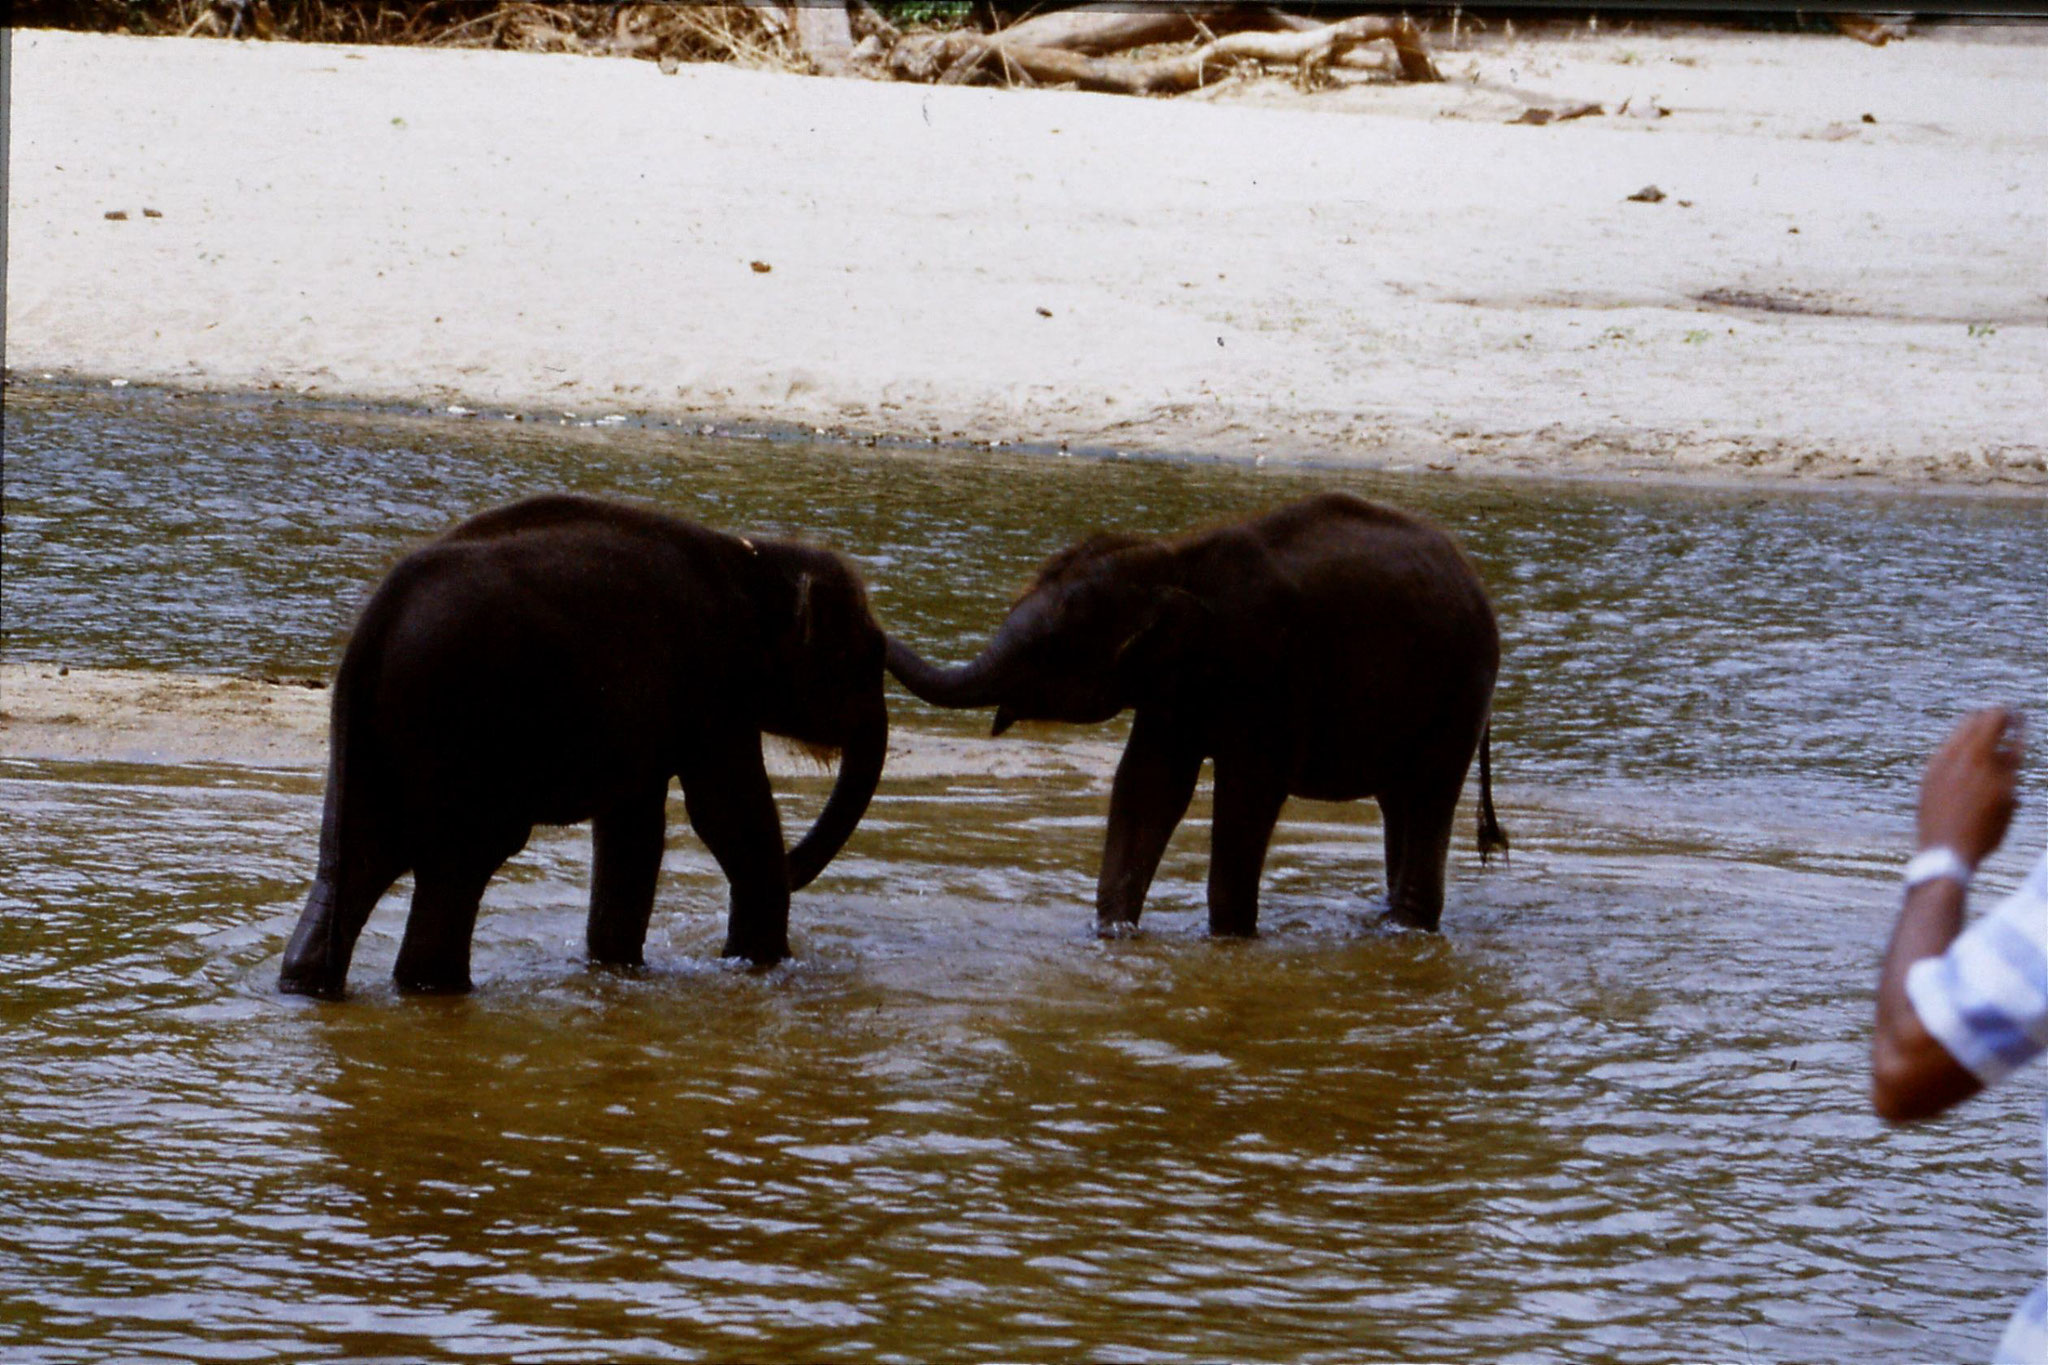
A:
(1077, 713)
(825, 755)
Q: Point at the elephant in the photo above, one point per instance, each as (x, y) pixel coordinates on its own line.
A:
(558, 660)
(1333, 649)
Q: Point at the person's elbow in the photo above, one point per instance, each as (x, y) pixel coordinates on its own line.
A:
(1892, 1093)
(1914, 1077)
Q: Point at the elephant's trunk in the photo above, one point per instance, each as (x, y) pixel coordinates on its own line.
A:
(959, 687)
(860, 771)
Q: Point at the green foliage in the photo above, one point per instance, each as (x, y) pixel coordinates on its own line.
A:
(927, 13)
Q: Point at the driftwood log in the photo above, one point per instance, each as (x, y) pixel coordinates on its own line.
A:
(1098, 29)
(1868, 28)
(1075, 47)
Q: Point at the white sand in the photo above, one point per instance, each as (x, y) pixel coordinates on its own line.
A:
(1386, 276)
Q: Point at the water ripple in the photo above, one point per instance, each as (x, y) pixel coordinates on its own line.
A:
(1616, 1111)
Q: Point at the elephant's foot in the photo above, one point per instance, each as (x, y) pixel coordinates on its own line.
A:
(432, 964)
(757, 924)
(432, 983)
(757, 952)
(1117, 926)
(309, 970)
(1405, 917)
(1234, 920)
(316, 959)
(616, 953)
(315, 981)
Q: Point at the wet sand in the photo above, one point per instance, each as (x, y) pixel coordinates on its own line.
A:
(85, 715)
(1841, 278)
(121, 715)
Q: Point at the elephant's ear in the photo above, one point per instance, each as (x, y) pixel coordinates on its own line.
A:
(784, 602)
(803, 616)
(1252, 595)
(1169, 646)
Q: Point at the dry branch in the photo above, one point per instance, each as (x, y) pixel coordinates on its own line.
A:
(1869, 28)
(1099, 29)
(953, 57)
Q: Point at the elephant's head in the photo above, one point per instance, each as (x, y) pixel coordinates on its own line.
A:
(822, 684)
(1106, 625)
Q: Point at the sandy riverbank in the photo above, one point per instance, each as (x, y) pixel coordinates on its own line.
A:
(88, 715)
(1842, 279)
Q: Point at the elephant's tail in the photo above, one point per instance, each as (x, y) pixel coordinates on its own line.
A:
(1492, 838)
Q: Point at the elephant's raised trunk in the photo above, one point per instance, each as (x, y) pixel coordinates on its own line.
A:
(959, 687)
(860, 771)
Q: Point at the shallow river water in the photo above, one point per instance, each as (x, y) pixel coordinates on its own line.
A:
(1615, 1112)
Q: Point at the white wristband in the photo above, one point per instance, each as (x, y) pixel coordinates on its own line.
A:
(1930, 864)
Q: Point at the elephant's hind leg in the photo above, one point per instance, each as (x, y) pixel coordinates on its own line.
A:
(1418, 835)
(626, 845)
(434, 955)
(316, 960)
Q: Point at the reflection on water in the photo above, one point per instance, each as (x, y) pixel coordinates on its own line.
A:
(1615, 1112)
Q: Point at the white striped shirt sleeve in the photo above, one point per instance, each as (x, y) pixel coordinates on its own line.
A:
(1986, 998)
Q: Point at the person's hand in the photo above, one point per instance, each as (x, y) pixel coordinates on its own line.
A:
(1969, 789)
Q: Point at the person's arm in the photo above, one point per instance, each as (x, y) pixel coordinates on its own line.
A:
(1966, 802)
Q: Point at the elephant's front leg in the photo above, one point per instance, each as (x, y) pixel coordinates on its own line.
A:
(626, 845)
(733, 811)
(1154, 783)
(1249, 795)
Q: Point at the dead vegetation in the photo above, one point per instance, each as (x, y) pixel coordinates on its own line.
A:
(1110, 47)
(753, 35)
(1155, 49)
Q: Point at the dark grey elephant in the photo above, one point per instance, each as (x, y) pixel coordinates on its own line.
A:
(1334, 649)
(560, 660)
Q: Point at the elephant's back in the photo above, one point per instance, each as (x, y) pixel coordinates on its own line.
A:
(539, 559)
(566, 648)
(1392, 646)
(573, 515)
(1379, 567)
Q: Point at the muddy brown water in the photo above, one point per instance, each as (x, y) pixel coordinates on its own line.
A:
(1615, 1112)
